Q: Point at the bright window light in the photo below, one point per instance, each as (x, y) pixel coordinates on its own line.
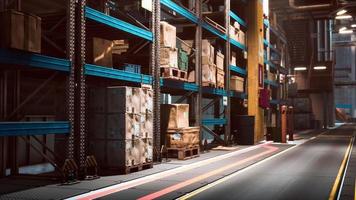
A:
(341, 12)
(320, 67)
(343, 17)
(300, 69)
(353, 25)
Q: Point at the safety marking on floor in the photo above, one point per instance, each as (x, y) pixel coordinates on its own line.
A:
(341, 173)
(210, 185)
(188, 182)
(153, 177)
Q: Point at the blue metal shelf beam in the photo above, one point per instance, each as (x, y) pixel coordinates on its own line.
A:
(179, 85)
(238, 44)
(214, 91)
(180, 10)
(94, 70)
(238, 95)
(117, 24)
(216, 121)
(238, 19)
(238, 70)
(33, 60)
(33, 128)
(213, 30)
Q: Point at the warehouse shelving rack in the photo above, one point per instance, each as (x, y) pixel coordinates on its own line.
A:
(83, 21)
(18, 70)
(277, 86)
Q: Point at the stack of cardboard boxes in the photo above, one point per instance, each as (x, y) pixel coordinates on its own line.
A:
(20, 31)
(175, 127)
(120, 126)
(237, 34)
(220, 74)
(208, 65)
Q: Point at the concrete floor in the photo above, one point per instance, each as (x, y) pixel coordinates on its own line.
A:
(304, 169)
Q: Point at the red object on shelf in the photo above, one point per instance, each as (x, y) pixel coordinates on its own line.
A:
(264, 98)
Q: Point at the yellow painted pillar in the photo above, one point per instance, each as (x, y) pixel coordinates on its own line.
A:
(255, 58)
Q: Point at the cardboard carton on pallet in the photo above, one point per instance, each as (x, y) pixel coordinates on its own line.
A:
(220, 79)
(220, 60)
(174, 116)
(182, 137)
(169, 57)
(209, 75)
(168, 35)
(208, 50)
(124, 99)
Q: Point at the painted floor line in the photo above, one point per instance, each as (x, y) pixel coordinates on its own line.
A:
(210, 185)
(188, 182)
(140, 181)
(334, 191)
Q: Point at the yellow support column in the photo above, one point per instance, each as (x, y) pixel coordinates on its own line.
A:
(255, 37)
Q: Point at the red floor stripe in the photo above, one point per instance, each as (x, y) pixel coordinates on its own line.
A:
(204, 176)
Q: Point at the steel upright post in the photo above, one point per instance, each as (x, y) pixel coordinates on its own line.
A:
(227, 73)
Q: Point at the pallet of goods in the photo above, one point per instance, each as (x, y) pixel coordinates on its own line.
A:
(208, 64)
(181, 141)
(121, 128)
(220, 74)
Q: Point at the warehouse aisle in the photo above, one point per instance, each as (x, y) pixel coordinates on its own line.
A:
(174, 183)
(305, 172)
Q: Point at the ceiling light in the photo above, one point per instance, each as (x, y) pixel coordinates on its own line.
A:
(353, 25)
(320, 67)
(341, 12)
(343, 17)
(346, 32)
(300, 69)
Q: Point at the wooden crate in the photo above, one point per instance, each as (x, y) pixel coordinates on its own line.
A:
(183, 153)
(174, 116)
(146, 100)
(182, 137)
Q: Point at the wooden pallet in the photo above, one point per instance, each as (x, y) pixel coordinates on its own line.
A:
(183, 153)
(209, 84)
(137, 168)
(173, 73)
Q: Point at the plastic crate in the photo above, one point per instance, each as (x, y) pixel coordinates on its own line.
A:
(132, 68)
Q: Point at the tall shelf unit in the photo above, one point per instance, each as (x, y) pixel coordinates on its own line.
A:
(211, 108)
(38, 91)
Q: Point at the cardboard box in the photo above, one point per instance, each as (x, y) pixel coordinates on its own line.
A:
(100, 52)
(168, 35)
(13, 33)
(124, 100)
(123, 126)
(146, 100)
(33, 33)
(237, 26)
(169, 57)
(220, 78)
(208, 50)
(242, 38)
(209, 74)
(220, 60)
(174, 116)
(237, 83)
(146, 125)
(233, 59)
